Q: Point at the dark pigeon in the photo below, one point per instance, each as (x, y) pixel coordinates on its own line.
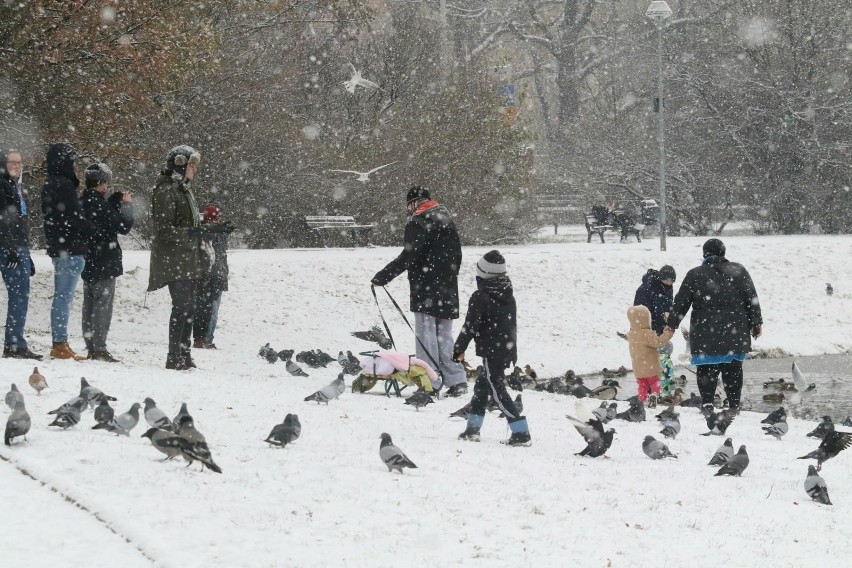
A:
(635, 412)
(311, 359)
(350, 367)
(717, 422)
(775, 416)
(462, 412)
(655, 449)
(833, 443)
(736, 465)
(376, 335)
(823, 428)
(694, 401)
(286, 354)
(419, 399)
(268, 353)
(286, 432)
(18, 423)
(104, 412)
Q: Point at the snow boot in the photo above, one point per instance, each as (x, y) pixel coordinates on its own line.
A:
(474, 423)
(520, 433)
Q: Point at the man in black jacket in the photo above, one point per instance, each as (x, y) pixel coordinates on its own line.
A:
(109, 217)
(432, 256)
(725, 317)
(66, 232)
(15, 262)
(208, 295)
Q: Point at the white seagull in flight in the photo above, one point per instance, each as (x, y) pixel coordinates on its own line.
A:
(363, 176)
(356, 80)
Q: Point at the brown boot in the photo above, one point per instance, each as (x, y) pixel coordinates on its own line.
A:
(64, 351)
(199, 343)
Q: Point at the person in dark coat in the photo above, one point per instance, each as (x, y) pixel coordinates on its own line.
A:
(15, 263)
(432, 256)
(209, 294)
(110, 218)
(725, 317)
(66, 232)
(655, 293)
(492, 323)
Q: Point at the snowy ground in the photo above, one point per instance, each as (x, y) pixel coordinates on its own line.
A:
(328, 500)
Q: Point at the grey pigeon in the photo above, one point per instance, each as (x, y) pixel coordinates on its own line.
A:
(462, 412)
(419, 399)
(123, 423)
(775, 416)
(294, 369)
(392, 456)
(268, 353)
(104, 412)
(815, 486)
(723, 454)
(717, 422)
(847, 422)
(350, 367)
(591, 429)
(285, 354)
(694, 401)
(18, 423)
(92, 394)
(68, 414)
(155, 417)
(192, 444)
(671, 426)
(601, 413)
(776, 430)
(635, 412)
(323, 356)
(833, 443)
(667, 413)
(77, 402)
(13, 397)
(736, 464)
(157, 438)
(519, 406)
(181, 413)
(329, 392)
(823, 428)
(580, 390)
(611, 411)
(286, 432)
(655, 449)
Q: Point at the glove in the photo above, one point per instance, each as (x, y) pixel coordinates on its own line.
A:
(225, 227)
(195, 232)
(458, 357)
(12, 259)
(115, 199)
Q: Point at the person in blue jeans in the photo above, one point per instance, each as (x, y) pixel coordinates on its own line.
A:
(66, 232)
(15, 262)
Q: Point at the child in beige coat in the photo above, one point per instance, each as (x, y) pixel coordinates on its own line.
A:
(644, 344)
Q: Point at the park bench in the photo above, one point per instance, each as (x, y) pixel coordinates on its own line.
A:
(338, 228)
(618, 222)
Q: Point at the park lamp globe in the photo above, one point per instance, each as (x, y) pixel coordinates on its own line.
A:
(658, 11)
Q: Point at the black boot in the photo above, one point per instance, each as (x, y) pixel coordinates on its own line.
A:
(175, 363)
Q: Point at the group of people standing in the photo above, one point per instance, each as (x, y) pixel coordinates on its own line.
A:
(81, 235)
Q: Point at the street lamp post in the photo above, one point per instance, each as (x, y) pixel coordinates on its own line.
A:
(658, 12)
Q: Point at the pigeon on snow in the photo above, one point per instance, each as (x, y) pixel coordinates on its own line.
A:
(37, 381)
(311, 359)
(635, 412)
(591, 429)
(68, 414)
(775, 416)
(329, 392)
(286, 432)
(285, 354)
(268, 353)
(736, 464)
(18, 423)
(158, 437)
(462, 412)
(123, 423)
(611, 411)
(666, 414)
(392, 456)
(671, 426)
(104, 412)
(92, 394)
(192, 445)
(832, 444)
(717, 422)
(294, 369)
(823, 428)
(815, 487)
(419, 399)
(601, 412)
(155, 417)
(350, 363)
(13, 397)
(723, 454)
(776, 429)
(181, 413)
(655, 449)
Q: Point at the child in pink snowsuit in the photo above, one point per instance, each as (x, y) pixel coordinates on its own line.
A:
(644, 344)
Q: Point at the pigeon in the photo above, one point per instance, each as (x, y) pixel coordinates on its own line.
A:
(329, 392)
(419, 399)
(363, 177)
(823, 428)
(667, 413)
(68, 414)
(18, 423)
(123, 423)
(37, 381)
(635, 412)
(694, 401)
(580, 390)
(833, 443)
(294, 369)
(717, 422)
(392, 456)
(92, 394)
(356, 80)
(591, 429)
(376, 335)
(310, 359)
(671, 426)
(155, 417)
(286, 432)
(611, 411)
(13, 397)
(607, 391)
(181, 413)
(736, 464)
(350, 367)
(321, 355)
(830, 291)
(777, 429)
(556, 386)
(268, 353)
(775, 416)
(519, 406)
(723, 454)
(601, 413)
(285, 354)
(655, 449)
(847, 422)
(462, 412)
(104, 412)
(157, 438)
(815, 487)
(192, 445)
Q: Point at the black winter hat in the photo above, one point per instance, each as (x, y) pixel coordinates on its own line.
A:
(491, 265)
(714, 247)
(417, 192)
(99, 172)
(668, 273)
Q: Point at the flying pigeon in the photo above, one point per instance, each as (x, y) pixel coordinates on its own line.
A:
(37, 381)
(68, 414)
(775, 416)
(286, 432)
(392, 456)
(357, 79)
(13, 397)
(591, 429)
(671, 426)
(310, 359)
(462, 412)
(635, 412)
(294, 369)
(736, 464)
(285, 354)
(823, 428)
(268, 353)
(829, 290)
(92, 394)
(723, 454)
(655, 449)
(158, 437)
(376, 335)
(104, 412)
(815, 486)
(155, 417)
(329, 392)
(363, 177)
(777, 429)
(350, 363)
(18, 423)
(832, 444)
(181, 413)
(717, 422)
(123, 423)
(418, 400)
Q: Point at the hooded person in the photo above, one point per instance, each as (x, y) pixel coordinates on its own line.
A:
(431, 255)
(725, 317)
(66, 233)
(644, 351)
(491, 323)
(208, 296)
(655, 293)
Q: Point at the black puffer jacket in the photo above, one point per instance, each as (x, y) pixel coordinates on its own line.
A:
(432, 256)
(65, 228)
(13, 225)
(655, 296)
(491, 322)
(109, 218)
(724, 307)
